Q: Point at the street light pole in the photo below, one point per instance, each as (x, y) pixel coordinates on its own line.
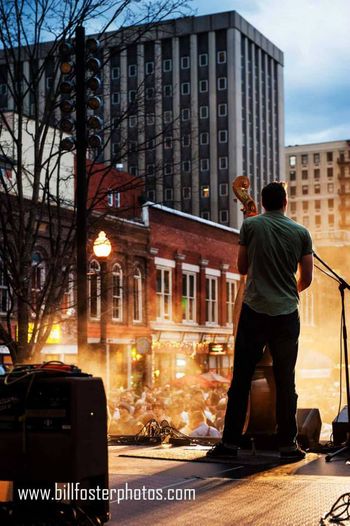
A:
(81, 191)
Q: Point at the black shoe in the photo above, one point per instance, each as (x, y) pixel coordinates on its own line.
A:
(292, 454)
(221, 451)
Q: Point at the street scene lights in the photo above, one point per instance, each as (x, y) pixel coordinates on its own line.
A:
(102, 246)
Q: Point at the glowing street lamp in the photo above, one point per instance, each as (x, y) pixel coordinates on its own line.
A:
(102, 245)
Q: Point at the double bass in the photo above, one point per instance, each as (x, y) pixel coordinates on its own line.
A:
(260, 419)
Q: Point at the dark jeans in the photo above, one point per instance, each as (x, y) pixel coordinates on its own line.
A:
(281, 334)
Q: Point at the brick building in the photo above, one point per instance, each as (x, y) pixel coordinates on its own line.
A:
(192, 285)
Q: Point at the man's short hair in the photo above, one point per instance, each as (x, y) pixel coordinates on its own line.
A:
(274, 196)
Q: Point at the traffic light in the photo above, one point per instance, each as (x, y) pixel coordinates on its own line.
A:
(67, 88)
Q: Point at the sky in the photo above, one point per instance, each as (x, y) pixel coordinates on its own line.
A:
(315, 38)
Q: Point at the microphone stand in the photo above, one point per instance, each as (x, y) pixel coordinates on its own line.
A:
(343, 285)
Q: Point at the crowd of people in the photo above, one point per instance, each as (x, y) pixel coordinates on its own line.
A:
(193, 411)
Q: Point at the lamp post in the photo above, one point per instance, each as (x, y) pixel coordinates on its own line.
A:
(102, 249)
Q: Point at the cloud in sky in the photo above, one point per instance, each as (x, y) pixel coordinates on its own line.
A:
(315, 38)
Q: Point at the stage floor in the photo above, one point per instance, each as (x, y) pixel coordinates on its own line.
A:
(251, 490)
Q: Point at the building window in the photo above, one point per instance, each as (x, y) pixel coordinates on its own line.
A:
(330, 204)
(4, 290)
(203, 86)
(132, 121)
(223, 163)
(116, 98)
(304, 174)
(168, 169)
(329, 157)
(185, 62)
(292, 191)
(186, 166)
(293, 207)
(167, 116)
(316, 173)
(149, 93)
(38, 276)
(222, 110)
(211, 299)
(94, 282)
(113, 199)
(186, 140)
(223, 216)
(203, 112)
(205, 191)
(222, 83)
(231, 292)
(185, 88)
(137, 299)
(292, 161)
(221, 57)
(186, 192)
(150, 169)
(168, 90)
(316, 158)
(204, 138)
(185, 114)
(150, 119)
(203, 59)
(149, 68)
(168, 194)
(331, 220)
(205, 215)
(318, 221)
(305, 220)
(117, 293)
(151, 195)
(304, 189)
(151, 144)
(317, 205)
(330, 188)
(329, 173)
(115, 72)
(133, 169)
(292, 175)
(305, 206)
(168, 143)
(222, 136)
(188, 297)
(223, 189)
(167, 64)
(132, 70)
(304, 159)
(132, 95)
(317, 188)
(49, 84)
(204, 165)
(163, 293)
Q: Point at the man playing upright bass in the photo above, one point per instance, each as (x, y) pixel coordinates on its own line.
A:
(272, 249)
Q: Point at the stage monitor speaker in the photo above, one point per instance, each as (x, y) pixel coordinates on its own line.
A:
(53, 429)
(340, 426)
(309, 427)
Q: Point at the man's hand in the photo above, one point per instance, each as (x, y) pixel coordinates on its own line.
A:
(242, 260)
(306, 268)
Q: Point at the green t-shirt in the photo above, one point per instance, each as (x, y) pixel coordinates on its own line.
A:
(275, 245)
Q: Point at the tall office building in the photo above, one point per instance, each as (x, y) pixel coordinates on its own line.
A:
(204, 100)
(319, 189)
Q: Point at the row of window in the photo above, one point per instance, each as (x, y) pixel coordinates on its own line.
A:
(204, 166)
(305, 158)
(164, 293)
(305, 174)
(168, 115)
(318, 221)
(306, 204)
(306, 188)
(185, 63)
(185, 89)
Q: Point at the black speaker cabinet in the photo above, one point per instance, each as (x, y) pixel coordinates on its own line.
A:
(53, 429)
(340, 426)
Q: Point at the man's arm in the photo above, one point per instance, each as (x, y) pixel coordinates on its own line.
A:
(242, 260)
(306, 267)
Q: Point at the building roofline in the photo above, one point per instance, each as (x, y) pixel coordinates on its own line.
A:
(191, 217)
(321, 143)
